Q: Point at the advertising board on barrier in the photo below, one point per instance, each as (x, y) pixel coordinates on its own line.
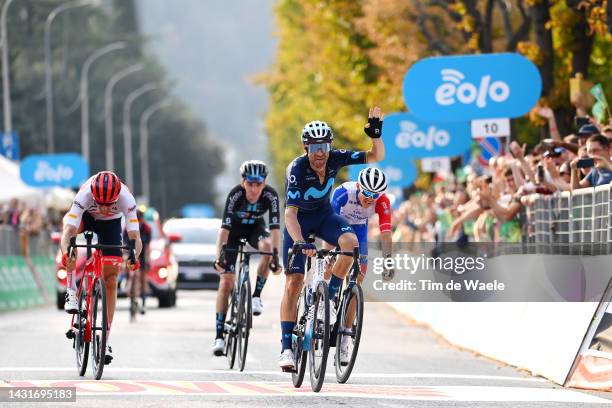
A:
(465, 87)
(406, 136)
(50, 170)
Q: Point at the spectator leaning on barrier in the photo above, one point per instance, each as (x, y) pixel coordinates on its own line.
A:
(598, 148)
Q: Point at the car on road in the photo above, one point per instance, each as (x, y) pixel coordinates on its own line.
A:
(195, 250)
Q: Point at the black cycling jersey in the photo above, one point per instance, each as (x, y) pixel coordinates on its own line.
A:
(239, 211)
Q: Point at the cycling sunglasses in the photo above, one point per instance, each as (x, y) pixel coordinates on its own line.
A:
(315, 147)
(369, 194)
(254, 179)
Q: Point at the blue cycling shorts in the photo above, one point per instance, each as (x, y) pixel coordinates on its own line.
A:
(325, 224)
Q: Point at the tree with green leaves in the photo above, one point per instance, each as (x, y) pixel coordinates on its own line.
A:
(183, 158)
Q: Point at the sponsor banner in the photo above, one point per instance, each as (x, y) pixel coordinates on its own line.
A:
(51, 170)
(406, 136)
(9, 145)
(465, 87)
(399, 174)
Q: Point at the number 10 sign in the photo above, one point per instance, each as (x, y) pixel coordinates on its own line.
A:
(490, 127)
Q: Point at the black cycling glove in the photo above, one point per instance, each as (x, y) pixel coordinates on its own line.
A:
(374, 130)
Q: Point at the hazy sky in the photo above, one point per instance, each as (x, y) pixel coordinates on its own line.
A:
(211, 48)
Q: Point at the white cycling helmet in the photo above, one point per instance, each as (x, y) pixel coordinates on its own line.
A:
(373, 179)
(317, 132)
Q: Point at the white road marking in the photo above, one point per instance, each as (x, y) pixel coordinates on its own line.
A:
(280, 373)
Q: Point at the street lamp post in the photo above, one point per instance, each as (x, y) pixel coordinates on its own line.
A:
(144, 146)
(48, 69)
(6, 95)
(108, 112)
(84, 93)
(127, 129)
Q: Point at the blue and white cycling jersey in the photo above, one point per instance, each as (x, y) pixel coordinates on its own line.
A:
(303, 187)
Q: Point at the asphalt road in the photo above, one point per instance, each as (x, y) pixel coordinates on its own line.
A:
(164, 359)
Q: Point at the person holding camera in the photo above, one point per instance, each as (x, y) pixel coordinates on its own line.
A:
(598, 150)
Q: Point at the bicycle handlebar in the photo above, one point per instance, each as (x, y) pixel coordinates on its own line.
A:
(323, 252)
(131, 247)
(224, 250)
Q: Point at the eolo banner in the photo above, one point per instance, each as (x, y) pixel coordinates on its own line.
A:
(467, 87)
(444, 94)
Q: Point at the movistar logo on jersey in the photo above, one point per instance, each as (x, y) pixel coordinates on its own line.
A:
(355, 155)
(293, 194)
(345, 229)
(314, 193)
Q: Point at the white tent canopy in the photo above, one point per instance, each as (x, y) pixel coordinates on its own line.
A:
(11, 185)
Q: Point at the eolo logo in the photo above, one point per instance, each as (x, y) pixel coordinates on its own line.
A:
(467, 87)
(454, 88)
(411, 136)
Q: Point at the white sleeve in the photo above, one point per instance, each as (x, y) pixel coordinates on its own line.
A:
(81, 201)
(127, 204)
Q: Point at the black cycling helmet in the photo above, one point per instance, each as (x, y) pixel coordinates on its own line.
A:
(254, 170)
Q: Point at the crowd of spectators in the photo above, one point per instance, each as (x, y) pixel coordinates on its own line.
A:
(25, 222)
(483, 204)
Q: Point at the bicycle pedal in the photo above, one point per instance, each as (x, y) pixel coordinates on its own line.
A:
(70, 334)
(287, 369)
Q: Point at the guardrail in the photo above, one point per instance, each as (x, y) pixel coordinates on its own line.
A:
(568, 223)
(15, 242)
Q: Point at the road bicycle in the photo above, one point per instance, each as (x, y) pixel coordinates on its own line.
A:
(349, 322)
(89, 326)
(240, 319)
(312, 333)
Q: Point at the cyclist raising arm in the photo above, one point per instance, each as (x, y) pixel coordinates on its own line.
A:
(98, 207)
(243, 218)
(309, 181)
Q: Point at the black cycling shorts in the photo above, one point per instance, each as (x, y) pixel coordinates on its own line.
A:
(253, 234)
(108, 232)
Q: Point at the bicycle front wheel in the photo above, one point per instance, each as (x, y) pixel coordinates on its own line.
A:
(132, 282)
(349, 333)
(244, 322)
(297, 342)
(319, 348)
(230, 344)
(99, 328)
(81, 347)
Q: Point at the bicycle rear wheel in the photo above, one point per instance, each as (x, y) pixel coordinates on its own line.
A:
(319, 348)
(351, 335)
(99, 328)
(299, 355)
(230, 344)
(244, 322)
(81, 347)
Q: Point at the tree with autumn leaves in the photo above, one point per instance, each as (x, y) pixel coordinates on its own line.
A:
(338, 57)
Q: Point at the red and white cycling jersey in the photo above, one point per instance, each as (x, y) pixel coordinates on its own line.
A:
(346, 203)
(84, 201)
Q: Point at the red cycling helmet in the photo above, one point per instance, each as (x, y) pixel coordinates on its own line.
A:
(105, 187)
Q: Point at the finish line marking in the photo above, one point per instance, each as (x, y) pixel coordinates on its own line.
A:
(142, 388)
(280, 373)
